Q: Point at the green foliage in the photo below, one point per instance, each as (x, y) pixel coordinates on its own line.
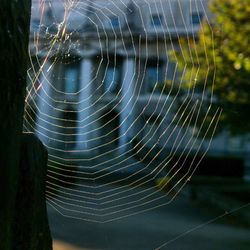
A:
(218, 61)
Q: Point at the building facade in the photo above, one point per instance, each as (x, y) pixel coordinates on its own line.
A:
(98, 74)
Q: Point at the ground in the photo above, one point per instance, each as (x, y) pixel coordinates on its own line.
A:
(182, 224)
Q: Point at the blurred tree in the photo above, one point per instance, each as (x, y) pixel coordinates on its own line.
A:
(216, 62)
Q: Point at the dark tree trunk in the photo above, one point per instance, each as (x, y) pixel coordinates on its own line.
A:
(31, 228)
(14, 38)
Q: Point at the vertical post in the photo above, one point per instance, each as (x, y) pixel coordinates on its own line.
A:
(84, 104)
(23, 159)
(31, 229)
(127, 112)
(14, 38)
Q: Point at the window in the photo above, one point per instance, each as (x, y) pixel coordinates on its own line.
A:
(153, 76)
(114, 20)
(196, 18)
(35, 25)
(156, 20)
(71, 79)
(110, 83)
(113, 76)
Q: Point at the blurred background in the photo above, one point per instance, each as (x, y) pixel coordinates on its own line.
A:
(144, 109)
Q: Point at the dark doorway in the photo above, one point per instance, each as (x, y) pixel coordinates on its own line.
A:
(109, 131)
(69, 124)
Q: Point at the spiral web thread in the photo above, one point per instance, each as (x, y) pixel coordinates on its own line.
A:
(92, 176)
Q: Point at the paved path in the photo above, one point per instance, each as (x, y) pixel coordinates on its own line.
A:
(180, 225)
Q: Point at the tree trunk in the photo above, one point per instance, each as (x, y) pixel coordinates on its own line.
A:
(31, 228)
(14, 38)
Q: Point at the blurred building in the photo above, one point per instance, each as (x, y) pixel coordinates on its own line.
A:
(98, 73)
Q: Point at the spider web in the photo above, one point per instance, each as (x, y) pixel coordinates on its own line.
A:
(111, 133)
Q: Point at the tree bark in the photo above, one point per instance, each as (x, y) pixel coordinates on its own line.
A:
(14, 38)
(31, 228)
